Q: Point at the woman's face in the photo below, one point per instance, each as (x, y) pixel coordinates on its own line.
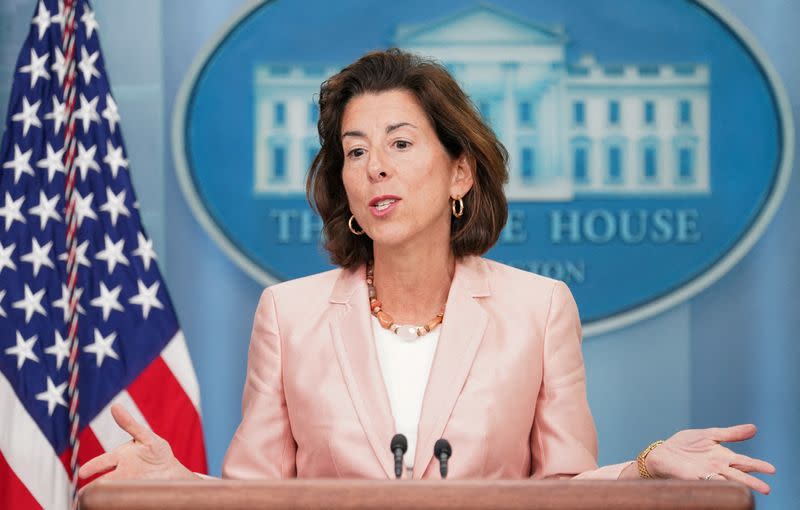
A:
(398, 176)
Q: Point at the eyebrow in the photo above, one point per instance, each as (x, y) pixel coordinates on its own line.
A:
(393, 127)
(389, 129)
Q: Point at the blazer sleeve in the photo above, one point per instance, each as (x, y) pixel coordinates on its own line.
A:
(563, 436)
(263, 445)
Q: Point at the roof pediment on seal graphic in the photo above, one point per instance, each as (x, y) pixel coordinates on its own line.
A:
(478, 25)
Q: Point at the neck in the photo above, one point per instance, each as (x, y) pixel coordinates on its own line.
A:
(412, 283)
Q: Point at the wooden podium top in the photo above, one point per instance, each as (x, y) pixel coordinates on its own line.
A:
(462, 495)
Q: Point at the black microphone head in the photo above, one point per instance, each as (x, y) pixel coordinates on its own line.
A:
(399, 441)
(442, 446)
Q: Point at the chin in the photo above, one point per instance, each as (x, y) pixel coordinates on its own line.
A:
(387, 235)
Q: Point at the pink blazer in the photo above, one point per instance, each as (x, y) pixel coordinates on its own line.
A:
(507, 385)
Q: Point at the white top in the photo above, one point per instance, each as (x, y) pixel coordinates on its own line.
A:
(406, 366)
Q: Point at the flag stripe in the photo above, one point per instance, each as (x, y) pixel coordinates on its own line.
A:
(36, 464)
(177, 422)
(15, 494)
(176, 356)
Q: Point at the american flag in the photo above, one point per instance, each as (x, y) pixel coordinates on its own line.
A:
(75, 262)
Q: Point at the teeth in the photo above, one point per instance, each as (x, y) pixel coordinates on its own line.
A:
(383, 204)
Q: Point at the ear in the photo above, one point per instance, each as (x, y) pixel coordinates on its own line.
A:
(463, 175)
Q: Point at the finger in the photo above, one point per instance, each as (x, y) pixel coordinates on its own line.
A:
(109, 476)
(749, 464)
(748, 480)
(124, 419)
(98, 464)
(735, 433)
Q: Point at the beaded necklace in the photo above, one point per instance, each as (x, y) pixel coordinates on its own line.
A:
(406, 332)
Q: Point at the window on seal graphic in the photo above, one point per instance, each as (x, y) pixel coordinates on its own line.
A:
(684, 112)
(525, 114)
(615, 160)
(279, 172)
(579, 113)
(528, 159)
(649, 160)
(279, 114)
(685, 160)
(580, 159)
(613, 112)
(649, 113)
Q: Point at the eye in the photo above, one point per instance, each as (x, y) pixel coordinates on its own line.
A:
(402, 144)
(356, 153)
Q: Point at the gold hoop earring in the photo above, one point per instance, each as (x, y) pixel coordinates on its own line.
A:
(457, 211)
(351, 227)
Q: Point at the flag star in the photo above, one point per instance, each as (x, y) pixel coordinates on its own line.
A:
(11, 210)
(63, 302)
(60, 17)
(114, 158)
(83, 207)
(46, 209)
(42, 20)
(60, 65)
(89, 21)
(102, 347)
(39, 256)
(54, 395)
(21, 162)
(108, 300)
(111, 113)
(31, 303)
(145, 250)
(80, 254)
(87, 112)
(59, 349)
(115, 205)
(146, 298)
(54, 162)
(112, 253)
(36, 67)
(29, 116)
(85, 160)
(86, 65)
(58, 115)
(2, 312)
(5, 257)
(23, 350)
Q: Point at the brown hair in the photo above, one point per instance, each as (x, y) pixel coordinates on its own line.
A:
(458, 126)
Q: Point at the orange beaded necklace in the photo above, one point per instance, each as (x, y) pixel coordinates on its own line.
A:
(387, 322)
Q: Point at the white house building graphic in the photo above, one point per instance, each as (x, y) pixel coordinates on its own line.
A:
(572, 129)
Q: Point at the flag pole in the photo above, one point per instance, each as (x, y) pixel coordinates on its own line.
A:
(68, 46)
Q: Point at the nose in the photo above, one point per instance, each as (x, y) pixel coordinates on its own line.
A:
(376, 169)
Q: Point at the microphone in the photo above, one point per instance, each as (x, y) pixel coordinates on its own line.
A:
(442, 451)
(398, 446)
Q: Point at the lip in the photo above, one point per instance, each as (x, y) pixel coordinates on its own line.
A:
(383, 212)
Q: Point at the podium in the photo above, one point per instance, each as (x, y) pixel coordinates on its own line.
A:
(422, 495)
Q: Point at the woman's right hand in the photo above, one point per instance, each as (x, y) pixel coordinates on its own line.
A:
(146, 457)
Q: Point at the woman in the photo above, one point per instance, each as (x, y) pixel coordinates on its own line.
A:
(415, 333)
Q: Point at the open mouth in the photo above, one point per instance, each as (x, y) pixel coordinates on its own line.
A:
(384, 204)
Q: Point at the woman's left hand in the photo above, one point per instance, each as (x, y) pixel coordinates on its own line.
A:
(697, 454)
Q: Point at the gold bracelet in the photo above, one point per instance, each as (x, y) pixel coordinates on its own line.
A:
(643, 472)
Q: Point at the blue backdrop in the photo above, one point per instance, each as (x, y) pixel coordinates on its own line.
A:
(729, 355)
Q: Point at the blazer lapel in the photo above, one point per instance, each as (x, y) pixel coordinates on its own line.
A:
(356, 353)
(462, 331)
